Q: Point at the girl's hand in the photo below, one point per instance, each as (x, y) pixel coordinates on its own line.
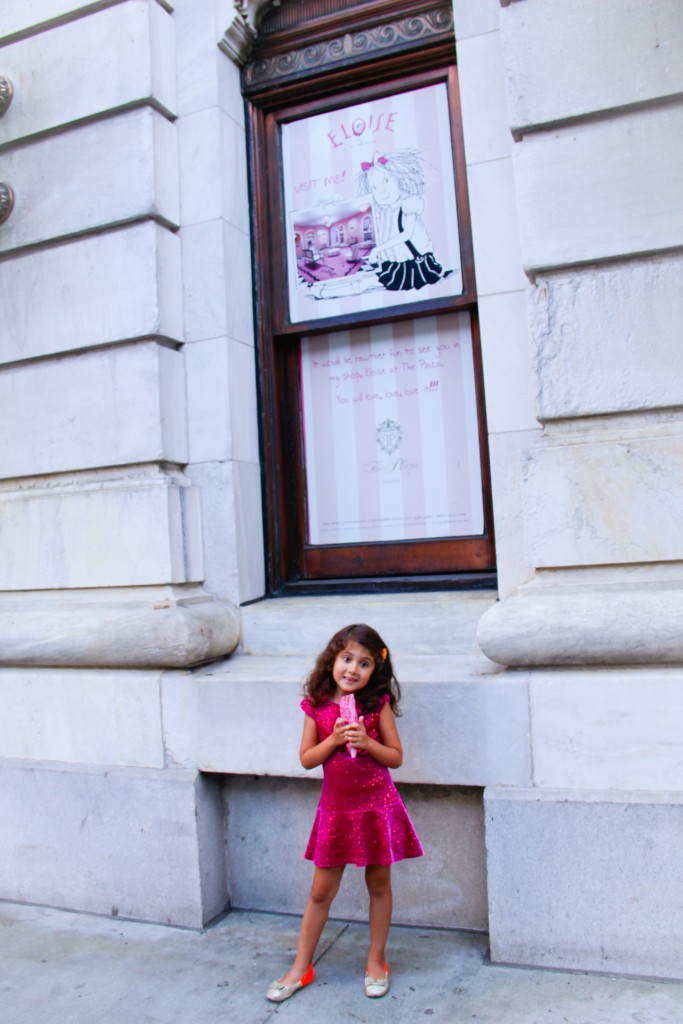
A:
(340, 731)
(356, 736)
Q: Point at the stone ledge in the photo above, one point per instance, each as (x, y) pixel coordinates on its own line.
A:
(631, 626)
(135, 634)
(474, 716)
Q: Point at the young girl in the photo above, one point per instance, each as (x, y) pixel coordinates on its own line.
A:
(361, 818)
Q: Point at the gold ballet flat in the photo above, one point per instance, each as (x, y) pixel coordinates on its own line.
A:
(375, 988)
(277, 992)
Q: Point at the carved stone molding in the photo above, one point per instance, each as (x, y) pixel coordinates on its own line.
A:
(352, 47)
(6, 201)
(238, 41)
(6, 93)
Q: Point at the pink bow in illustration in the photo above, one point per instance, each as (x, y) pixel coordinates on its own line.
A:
(365, 166)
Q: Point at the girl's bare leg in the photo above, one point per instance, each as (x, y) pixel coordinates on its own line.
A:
(378, 881)
(325, 886)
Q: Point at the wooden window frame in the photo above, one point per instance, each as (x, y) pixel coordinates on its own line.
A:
(292, 564)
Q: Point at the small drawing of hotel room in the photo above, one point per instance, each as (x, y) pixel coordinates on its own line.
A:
(334, 242)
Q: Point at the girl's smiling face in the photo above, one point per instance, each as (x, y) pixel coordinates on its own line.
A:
(352, 669)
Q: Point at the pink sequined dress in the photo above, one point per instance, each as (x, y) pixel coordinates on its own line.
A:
(361, 819)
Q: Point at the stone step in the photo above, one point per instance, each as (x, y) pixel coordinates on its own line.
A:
(430, 623)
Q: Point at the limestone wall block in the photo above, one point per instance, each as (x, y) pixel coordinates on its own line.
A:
(97, 175)
(508, 453)
(132, 528)
(209, 142)
(623, 52)
(232, 527)
(475, 17)
(602, 189)
(41, 15)
(495, 227)
(609, 339)
(482, 89)
(584, 880)
(81, 716)
(109, 407)
(614, 499)
(92, 291)
(618, 730)
(139, 843)
(509, 380)
(112, 58)
(217, 282)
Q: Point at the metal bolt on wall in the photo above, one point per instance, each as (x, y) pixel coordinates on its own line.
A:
(6, 94)
(6, 193)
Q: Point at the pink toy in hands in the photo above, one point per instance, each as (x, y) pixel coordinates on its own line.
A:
(347, 710)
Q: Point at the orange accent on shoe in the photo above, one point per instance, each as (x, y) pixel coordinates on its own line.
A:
(308, 977)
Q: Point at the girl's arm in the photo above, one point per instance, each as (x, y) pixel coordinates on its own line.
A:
(313, 752)
(412, 210)
(389, 751)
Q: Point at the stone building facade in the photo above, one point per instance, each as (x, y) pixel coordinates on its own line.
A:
(149, 726)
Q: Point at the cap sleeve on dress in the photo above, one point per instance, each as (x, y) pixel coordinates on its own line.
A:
(384, 699)
(307, 707)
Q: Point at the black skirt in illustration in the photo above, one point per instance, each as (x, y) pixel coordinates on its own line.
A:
(415, 273)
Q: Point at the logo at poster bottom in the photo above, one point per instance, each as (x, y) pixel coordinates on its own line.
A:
(389, 436)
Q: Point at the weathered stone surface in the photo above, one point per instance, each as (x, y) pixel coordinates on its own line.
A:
(92, 291)
(94, 176)
(623, 52)
(106, 718)
(232, 528)
(274, 817)
(168, 633)
(506, 353)
(138, 843)
(485, 122)
(606, 498)
(208, 141)
(609, 339)
(593, 192)
(112, 58)
(508, 453)
(109, 529)
(586, 880)
(117, 406)
(621, 731)
(475, 17)
(495, 227)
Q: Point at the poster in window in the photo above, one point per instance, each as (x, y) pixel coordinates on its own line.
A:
(390, 432)
(371, 219)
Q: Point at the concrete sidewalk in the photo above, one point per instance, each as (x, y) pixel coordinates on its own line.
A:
(65, 968)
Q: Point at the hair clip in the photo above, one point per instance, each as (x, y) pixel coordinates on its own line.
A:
(384, 654)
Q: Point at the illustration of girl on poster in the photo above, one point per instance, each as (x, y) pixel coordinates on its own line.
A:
(402, 259)
(370, 205)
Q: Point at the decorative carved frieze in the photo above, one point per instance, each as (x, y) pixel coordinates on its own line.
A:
(6, 201)
(6, 93)
(352, 47)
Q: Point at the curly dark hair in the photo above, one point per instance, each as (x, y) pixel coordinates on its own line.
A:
(320, 685)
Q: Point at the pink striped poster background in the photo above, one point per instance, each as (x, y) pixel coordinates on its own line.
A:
(321, 158)
(390, 433)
